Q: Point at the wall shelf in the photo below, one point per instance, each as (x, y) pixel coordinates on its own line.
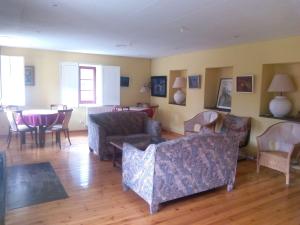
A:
(173, 103)
(218, 109)
(288, 118)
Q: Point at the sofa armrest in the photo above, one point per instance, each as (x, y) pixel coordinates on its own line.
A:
(138, 170)
(153, 127)
(96, 137)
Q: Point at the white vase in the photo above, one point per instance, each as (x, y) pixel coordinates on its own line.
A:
(179, 97)
(280, 106)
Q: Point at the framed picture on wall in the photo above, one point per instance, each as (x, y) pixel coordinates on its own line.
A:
(29, 75)
(124, 81)
(195, 81)
(244, 84)
(159, 86)
(224, 93)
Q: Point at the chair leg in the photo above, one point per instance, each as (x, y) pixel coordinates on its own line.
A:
(57, 138)
(257, 164)
(22, 139)
(68, 136)
(8, 134)
(9, 139)
(65, 133)
(287, 179)
(36, 138)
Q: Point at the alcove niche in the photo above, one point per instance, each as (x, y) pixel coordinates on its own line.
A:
(213, 77)
(269, 70)
(172, 77)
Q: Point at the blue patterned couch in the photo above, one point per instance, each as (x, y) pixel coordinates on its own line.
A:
(119, 126)
(180, 167)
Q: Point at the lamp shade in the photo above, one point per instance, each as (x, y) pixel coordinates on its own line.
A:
(179, 82)
(281, 83)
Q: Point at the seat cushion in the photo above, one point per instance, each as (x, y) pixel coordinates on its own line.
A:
(23, 128)
(57, 127)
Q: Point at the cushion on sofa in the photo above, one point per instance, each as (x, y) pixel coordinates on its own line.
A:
(122, 123)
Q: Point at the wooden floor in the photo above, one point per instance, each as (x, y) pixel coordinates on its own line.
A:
(96, 196)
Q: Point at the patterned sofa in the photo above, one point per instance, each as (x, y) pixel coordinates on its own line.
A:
(119, 126)
(180, 167)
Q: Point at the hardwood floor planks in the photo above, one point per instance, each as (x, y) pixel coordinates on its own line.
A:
(96, 196)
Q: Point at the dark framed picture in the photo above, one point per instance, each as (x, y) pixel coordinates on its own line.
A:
(244, 84)
(124, 81)
(224, 93)
(195, 81)
(159, 86)
(29, 75)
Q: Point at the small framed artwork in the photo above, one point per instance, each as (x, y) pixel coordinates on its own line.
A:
(29, 75)
(224, 93)
(195, 81)
(244, 83)
(159, 86)
(124, 81)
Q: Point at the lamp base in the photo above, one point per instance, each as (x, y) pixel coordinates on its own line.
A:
(179, 97)
(280, 106)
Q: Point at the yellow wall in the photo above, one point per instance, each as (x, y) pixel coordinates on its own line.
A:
(245, 59)
(46, 89)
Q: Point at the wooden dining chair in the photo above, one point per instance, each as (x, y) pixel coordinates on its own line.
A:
(64, 126)
(58, 106)
(19, 128)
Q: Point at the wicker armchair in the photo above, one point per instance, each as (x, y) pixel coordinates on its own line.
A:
(203, 120)
(276, 145)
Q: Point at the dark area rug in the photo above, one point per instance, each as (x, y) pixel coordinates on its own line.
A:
(32, 184)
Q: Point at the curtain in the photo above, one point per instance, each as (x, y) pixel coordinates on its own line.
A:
(12, 80)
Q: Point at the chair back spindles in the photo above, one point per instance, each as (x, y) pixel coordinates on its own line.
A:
(67, 116)
(11, 117)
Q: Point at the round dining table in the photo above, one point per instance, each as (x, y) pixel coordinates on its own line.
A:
(41, 118)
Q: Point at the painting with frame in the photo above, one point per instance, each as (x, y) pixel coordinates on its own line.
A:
(224, 93)
(244, 84)
(159, 86)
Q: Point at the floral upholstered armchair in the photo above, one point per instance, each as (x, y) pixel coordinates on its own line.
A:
(180, 167)
(237, 126)
(106, 127)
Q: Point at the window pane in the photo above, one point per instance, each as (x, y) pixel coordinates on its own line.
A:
(87, 85)
(86, 96)
(86, 73)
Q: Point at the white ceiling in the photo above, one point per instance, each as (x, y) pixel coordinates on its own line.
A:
(144, 28)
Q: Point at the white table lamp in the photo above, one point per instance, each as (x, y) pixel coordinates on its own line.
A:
(280, 106)
(179, 96)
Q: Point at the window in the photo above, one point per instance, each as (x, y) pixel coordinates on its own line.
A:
(87, 85)
(12, 80)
